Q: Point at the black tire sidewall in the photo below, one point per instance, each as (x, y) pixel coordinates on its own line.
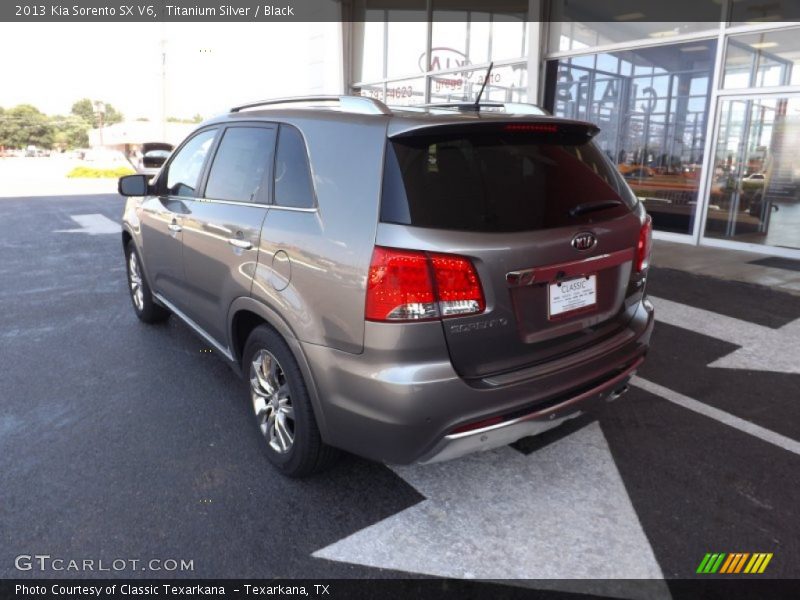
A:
(303, 454)
(150, 312)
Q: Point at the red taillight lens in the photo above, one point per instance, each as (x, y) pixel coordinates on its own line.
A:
(457, 284)
(400, 286)
(645, 245)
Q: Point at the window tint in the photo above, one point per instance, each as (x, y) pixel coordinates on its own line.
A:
(239, 166)
(497, 182)
(184, 170)
(293, 185)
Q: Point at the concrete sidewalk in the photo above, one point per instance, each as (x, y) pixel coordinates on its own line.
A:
(47, 176)
(722, 263)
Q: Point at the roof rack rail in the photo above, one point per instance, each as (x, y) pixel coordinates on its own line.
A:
(519, 108)
(355, 104)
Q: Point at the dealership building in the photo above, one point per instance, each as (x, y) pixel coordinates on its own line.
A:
(702, 118)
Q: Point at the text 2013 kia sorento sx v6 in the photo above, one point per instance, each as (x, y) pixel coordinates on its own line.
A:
(409, 285)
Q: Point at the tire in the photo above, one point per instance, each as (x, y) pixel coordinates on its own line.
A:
(141, 297)
(282, 409)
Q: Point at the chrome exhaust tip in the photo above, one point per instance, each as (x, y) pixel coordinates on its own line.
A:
(618, 392)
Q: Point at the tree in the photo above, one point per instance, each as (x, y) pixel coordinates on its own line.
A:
(87, 110)
(23, 126)
(198, 118)
(70, 132)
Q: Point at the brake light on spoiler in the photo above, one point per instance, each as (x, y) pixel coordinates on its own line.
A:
(411, 285)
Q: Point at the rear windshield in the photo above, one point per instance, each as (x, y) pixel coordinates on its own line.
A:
(498, 181)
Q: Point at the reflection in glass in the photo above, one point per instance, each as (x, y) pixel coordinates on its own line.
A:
(579, 24)
(370, 91)
(507, 83)
(763, 59)
(405, 92)
(652, 106)
(368, 53)
(405, 44)
(755, 188)
(463, 37)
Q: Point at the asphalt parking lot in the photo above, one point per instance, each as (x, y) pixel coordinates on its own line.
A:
(125, 441)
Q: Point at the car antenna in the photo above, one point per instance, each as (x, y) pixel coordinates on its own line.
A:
(483, 86)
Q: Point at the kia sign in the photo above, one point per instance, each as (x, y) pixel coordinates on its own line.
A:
(444, 59)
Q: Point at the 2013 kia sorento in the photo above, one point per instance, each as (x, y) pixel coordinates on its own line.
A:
(406, 284)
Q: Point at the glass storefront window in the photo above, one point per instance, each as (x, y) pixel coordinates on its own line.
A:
(580, 24)
(462, 37)
(765, 59)
(375, 90)
(368, 52)
(508, 37)
(566, 36)
(405, 92)
(406, 42)
(755, 187)
(507, 83)
(651, 105)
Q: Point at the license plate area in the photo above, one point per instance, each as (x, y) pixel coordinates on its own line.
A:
(571, 296)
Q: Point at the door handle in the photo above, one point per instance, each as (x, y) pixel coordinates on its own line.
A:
(243, 244)
(175, 227)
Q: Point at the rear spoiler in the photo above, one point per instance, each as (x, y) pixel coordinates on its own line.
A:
(564, 131)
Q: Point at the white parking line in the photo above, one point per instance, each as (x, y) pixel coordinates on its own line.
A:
(561, 513)
(728, 419)
(94, 224)
(762, 348)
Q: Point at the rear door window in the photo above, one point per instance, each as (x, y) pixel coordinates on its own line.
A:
(498, 181)
(241, 164)
(293, 186)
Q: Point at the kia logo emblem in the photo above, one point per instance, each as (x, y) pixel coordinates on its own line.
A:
(584, 241)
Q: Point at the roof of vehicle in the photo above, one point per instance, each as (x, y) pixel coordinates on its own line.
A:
(402, 119)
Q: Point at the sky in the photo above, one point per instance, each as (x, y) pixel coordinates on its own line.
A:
(210, 66)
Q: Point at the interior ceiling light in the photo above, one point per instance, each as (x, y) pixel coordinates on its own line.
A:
(762, 45)
(666, 33)
(694, 49)
(629, 16)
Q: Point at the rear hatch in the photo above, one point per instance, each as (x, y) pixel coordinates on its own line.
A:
(543, 216)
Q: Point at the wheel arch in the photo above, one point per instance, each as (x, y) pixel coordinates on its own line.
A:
(246, 314)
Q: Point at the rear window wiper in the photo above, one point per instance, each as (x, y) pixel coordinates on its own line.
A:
(587, 207)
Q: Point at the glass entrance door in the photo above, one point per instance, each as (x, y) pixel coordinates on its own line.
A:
(755, 187)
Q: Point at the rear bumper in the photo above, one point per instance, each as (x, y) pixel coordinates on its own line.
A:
(402, 406)
(573, 405)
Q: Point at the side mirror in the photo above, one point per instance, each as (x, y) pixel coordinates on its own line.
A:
(154, 159)
(133, 185)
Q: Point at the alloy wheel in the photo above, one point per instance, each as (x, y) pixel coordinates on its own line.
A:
(272, 402)
(135, 275)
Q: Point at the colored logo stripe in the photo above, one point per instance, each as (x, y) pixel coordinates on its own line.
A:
(758, 563)
(734, 562)
(710, 563)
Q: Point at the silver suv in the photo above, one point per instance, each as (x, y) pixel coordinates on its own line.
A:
(406, 284)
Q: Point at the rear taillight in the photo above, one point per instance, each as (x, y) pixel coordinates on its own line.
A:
(409, 285)
(457, 285)
(644, 245)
